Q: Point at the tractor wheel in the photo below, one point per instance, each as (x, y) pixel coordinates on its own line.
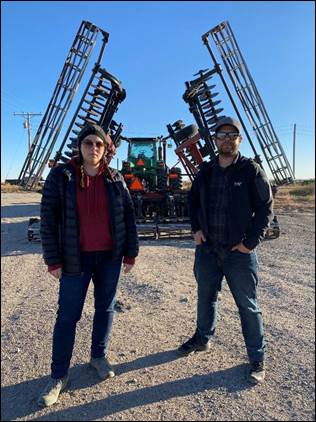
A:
(185, 133)
(176, 184)
(161, 180)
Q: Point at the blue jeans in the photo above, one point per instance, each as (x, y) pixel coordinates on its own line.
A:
(240, 271)
(104, 273)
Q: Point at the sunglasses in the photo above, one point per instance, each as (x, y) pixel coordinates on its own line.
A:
(230, 135)
(90, 144)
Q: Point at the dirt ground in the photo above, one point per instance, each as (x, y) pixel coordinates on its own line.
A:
(157, 312)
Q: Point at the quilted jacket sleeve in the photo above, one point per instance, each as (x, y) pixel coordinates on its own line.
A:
(50, 220)
(195, 203)
(263, 209)
(132, 244)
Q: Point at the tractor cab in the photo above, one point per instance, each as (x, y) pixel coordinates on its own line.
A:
(145, 168)
(142, 152)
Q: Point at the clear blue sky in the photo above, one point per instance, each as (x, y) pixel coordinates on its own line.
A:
(153, 48)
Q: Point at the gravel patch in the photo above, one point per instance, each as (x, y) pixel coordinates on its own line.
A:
(156, 311)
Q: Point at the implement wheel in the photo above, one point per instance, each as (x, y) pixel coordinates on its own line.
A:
(185, 133)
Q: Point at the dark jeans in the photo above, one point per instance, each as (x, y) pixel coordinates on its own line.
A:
(72, 293)
(240, 271)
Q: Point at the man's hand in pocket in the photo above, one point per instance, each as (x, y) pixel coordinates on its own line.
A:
(199, 237)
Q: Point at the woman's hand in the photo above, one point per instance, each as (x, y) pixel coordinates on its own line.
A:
(56, 273)
(127, 267)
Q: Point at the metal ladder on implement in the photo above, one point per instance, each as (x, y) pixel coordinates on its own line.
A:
(250, 99)
(67, 84)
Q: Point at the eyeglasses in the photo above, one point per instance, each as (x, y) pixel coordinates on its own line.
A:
(90, 144)
(230, 135)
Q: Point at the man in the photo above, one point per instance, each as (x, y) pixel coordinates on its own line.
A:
(88, 229)
(230, 209)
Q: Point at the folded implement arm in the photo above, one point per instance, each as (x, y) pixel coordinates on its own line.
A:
(67, 84)
(250, 100)
(98, 104)
(195, 143)
(200, 97)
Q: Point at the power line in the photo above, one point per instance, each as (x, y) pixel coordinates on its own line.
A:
(306, 126)
(14, 98)
(10, 104)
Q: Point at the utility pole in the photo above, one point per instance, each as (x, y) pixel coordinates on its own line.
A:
(27, 124)
(294, 138)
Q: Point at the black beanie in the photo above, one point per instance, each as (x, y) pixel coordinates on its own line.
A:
(90, 129)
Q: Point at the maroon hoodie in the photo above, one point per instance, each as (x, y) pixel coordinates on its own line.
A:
(93, 211)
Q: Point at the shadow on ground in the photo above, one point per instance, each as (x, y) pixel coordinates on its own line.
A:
(173, 243)
(20, 400)
(14, 233)
(20, 210)
(14, 240)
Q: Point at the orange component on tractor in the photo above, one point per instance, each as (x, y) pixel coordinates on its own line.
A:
(140, 162)
(136, 185)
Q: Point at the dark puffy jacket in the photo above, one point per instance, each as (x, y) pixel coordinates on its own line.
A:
(60, 222)
(250, 202)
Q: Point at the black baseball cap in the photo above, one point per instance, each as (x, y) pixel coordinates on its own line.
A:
(228, 121)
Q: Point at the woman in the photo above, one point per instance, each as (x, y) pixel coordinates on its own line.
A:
(87, 229)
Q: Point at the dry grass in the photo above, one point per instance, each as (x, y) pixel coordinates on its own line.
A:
(300, 195)
(186, 184)
(8, 188)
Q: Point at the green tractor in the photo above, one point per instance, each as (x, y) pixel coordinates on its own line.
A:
(155, 188)
(146, 170)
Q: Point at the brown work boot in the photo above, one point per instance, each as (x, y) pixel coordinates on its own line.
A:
(103, 367)
(257, 372)
(52, 390)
